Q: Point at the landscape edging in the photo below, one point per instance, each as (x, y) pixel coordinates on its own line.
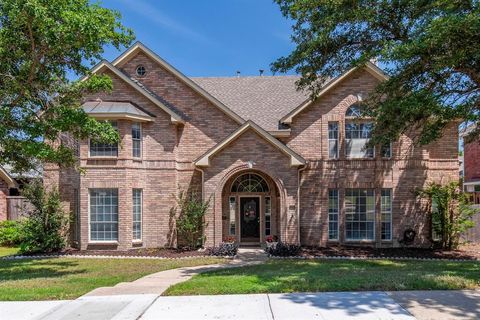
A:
(370, 258)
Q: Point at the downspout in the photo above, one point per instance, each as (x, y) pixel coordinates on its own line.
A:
(298, 200)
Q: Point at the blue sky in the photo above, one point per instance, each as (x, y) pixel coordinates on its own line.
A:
(208, 37)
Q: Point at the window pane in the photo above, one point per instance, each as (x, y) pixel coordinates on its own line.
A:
(98, 149)
(137, 214)
(232, 207)
(386, 214)
(333, 214)
(333, 140)
(268, 214)
(387, 150)
(136, 140)
(359, 214)
(104, 214)
(357, 136)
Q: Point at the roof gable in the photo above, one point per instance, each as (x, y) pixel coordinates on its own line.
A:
(140, 47)
(369, 67)
(295, 159)
(105, 65)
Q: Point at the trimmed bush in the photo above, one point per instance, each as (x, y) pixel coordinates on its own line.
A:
(281, 249)
(224, 249)
(10, 233)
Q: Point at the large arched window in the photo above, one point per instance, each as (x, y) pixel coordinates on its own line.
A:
(249, 182)
(358, 132)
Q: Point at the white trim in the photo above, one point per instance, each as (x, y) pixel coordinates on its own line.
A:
(260, 207)
(141, 216)
(350, 240)
(295, 159)
(5, 176)
(138, 46)
(471, 183)
(141, 140)
(90, 241)
(369, 67)
(391, 215)
(338, 216)
(120, 116)
(175, 118)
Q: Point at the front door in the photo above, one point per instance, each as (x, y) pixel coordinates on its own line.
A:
(250, 219)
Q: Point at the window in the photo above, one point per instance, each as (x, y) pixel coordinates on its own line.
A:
(359, 214)
(137, 214)
(249, 182)
(100, 149)
(140, 71)
(333, 140)
(333, 214)
(76, 210)
(386, 214)
(104, 214)
(268, 216)
(232, 210)
(136, 140)
(357, 135)
(387, 150)
(354, 111)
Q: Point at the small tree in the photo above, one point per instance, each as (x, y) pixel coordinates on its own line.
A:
(451, 212)
(190, 218)
(45, 226)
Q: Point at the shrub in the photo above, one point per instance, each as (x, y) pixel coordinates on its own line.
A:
(45, 226)
(190, 221)
(10, 233)
(224, 249)
(450, 210)
(281, 249)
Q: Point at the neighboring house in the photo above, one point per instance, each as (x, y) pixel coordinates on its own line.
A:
(7, 185)
(270, 160)
(471, 173)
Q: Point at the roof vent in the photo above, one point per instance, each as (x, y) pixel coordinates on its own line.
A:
(261, 72)
(238, 73)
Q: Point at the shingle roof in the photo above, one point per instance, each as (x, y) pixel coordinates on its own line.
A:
(114, 107)
(263, 99)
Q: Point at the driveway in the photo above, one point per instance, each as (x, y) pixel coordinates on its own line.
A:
(424, 305)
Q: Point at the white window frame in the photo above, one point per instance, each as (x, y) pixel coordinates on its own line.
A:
(335, 140)
(139, 140)
(386, 210)
(90, 218)
(337, 214)
(357, 122)
(232, 216)
(139, 239)
(390, 151)
(373, 213)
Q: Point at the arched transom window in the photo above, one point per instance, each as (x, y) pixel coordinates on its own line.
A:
(249, 182)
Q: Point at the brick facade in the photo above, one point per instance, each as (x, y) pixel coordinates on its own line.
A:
(299, 193)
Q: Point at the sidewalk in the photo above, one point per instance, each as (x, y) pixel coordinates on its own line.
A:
(376, 305)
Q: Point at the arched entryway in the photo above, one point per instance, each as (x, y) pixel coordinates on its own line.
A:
(250, 208)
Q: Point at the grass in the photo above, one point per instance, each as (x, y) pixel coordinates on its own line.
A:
(333, 275)
(69, 278)
(7, 251)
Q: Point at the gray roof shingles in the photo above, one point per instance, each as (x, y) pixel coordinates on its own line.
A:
(262, 99)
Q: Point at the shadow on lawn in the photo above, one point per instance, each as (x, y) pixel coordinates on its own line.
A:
(25, 269)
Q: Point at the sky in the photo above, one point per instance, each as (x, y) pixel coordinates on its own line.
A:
(208, 37)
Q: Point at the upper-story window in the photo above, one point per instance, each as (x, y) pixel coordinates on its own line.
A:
(136, 140)
(358, 131)
(333, 140)
(101, 149)
(140, 71)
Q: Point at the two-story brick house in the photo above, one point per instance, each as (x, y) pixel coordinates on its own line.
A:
(271, 161)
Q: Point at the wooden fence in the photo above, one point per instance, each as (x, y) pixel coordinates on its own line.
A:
(16, 206)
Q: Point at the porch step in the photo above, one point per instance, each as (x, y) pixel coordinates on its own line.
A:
(251, 255)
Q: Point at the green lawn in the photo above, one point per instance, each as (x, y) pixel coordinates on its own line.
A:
(283, 276)
(7, 251)
(68, 278)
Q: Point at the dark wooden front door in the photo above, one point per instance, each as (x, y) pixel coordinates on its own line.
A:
(250, 219)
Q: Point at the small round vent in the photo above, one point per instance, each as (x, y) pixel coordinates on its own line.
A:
(141, 71)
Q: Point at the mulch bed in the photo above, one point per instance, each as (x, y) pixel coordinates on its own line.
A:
(160, 252)
(467, 252)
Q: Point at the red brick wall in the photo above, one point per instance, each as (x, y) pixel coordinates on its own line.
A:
(471, 158)
(3, 200)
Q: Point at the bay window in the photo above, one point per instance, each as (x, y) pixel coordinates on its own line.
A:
(104, 214)
(136, 140)
(137, 214)
(359, 214)
(102, 149)
(386, 214)
(333, 214)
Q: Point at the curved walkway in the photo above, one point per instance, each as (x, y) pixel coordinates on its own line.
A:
(157, 283)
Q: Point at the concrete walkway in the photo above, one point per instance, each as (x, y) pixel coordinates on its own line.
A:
(157, 283)
(407, 305)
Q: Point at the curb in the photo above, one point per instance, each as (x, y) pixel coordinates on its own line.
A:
(370, 258)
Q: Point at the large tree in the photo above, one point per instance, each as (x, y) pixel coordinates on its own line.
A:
(43, 44)
(429, 48)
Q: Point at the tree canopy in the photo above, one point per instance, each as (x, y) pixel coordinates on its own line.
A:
(429, 48)
(43, 44)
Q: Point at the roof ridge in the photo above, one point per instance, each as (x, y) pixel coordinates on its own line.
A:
(246, 76)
